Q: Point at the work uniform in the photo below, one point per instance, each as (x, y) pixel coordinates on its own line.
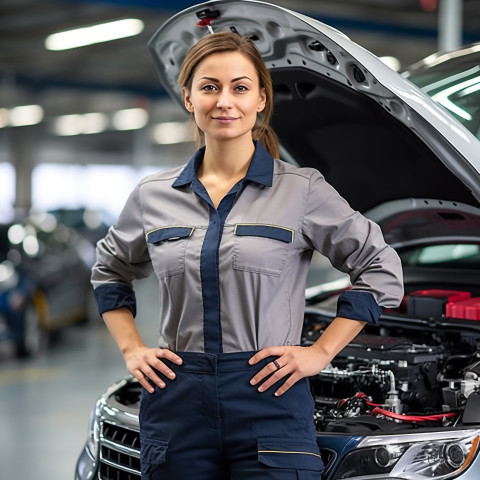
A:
(231, 282)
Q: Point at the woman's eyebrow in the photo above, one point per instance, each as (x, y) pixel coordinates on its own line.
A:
(211, 79)
(241, 78)
(216, 80)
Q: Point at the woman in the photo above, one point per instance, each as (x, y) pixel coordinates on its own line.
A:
(230, 237)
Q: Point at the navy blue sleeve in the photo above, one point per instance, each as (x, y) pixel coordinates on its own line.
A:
(358, 305)
(111, 296)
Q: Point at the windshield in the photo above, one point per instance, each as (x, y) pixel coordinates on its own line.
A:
(453, 80)
(449, 255)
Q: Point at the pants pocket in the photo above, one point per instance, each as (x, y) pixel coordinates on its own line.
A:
(153, 452)
(289, 454)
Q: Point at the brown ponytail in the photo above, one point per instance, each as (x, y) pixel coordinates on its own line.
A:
(268, 138)
(232, 42)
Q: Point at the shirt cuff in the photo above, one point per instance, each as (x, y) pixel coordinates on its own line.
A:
(111, 296)
(358, 305)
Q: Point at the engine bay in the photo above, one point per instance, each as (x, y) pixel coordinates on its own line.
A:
(405, 373)
(408, 372)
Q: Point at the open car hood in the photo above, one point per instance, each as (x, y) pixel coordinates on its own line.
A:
(375, 136)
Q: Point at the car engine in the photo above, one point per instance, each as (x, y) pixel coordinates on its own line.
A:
(383, 381)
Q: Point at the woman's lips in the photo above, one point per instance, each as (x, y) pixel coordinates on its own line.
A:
(225, 120)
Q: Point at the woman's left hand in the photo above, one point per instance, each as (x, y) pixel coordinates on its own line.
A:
(293, 363)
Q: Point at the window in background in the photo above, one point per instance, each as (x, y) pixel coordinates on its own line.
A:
(7, 191)
(97, 187)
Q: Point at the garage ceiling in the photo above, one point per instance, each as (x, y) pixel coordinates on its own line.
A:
(120, 74)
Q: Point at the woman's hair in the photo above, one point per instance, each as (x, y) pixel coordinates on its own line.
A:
(232, 42)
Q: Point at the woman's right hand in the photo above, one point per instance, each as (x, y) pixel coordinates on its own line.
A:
(141, 360)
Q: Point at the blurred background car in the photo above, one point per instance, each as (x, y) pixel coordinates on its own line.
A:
(44, 281)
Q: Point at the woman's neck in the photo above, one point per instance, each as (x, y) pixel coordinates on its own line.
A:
(227, 159)
(224, 164)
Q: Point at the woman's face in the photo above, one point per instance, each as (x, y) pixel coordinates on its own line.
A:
(225, 96)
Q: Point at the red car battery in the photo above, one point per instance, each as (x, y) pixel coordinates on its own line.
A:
(432, 302)
(468, 309)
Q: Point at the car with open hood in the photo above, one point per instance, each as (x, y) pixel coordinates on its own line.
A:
(402, 400)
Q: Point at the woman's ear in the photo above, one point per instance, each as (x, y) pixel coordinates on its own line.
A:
(186, 100)
(263, 100)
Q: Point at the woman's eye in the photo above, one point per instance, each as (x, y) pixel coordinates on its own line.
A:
(208, 88)
(241, 88)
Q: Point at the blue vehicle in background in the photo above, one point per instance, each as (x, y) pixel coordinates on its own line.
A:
(44, 281)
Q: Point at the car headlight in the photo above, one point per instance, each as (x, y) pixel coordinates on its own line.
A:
(433, 456)
(94, 429)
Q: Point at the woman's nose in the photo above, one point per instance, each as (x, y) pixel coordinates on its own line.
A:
(224, 101)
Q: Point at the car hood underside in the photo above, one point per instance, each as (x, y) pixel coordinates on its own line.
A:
(372, 134)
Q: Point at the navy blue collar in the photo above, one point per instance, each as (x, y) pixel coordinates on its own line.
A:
(260, 170)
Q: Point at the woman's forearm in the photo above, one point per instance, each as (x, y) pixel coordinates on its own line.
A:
(336, 336)
(122, 326)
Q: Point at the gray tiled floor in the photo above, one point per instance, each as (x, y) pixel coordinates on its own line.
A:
(45, 403)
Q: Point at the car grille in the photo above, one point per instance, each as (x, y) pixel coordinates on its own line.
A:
(119, 453)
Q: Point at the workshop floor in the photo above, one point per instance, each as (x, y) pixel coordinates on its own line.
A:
(45, 403)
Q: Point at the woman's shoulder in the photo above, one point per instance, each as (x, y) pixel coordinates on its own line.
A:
(168, 174)
(282, 167)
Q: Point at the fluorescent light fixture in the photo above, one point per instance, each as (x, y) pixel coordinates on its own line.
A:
(81, 124)
(69, 125)
(104, 32)
(26, 115)
(94, 123)
(130, 119)
(4, 114)
(172, 132)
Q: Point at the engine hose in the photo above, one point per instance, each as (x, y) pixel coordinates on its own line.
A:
(362, 395)
(413, 418)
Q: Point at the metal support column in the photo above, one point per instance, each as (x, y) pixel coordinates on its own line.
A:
(22, 140)
(450, 24)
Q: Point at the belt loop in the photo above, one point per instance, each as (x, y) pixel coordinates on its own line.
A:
(213, 360)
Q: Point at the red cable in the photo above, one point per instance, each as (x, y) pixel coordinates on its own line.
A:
(362, 395)
(413, 418)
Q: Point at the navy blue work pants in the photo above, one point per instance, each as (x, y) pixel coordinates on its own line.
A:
(211, 424)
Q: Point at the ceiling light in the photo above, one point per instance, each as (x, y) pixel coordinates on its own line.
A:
(78, 124)
(3, 117)
(94, 123)
(26, 115)
(69, 125)
(172, 132)
(105, 32)
(130, 119)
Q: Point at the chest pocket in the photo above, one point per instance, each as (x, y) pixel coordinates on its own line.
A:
(167, 247)
(261, 248)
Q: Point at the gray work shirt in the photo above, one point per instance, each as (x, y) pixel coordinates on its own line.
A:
(233, 278)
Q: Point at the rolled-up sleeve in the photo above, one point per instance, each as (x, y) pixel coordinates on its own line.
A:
(354, 245)
(122, 257)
